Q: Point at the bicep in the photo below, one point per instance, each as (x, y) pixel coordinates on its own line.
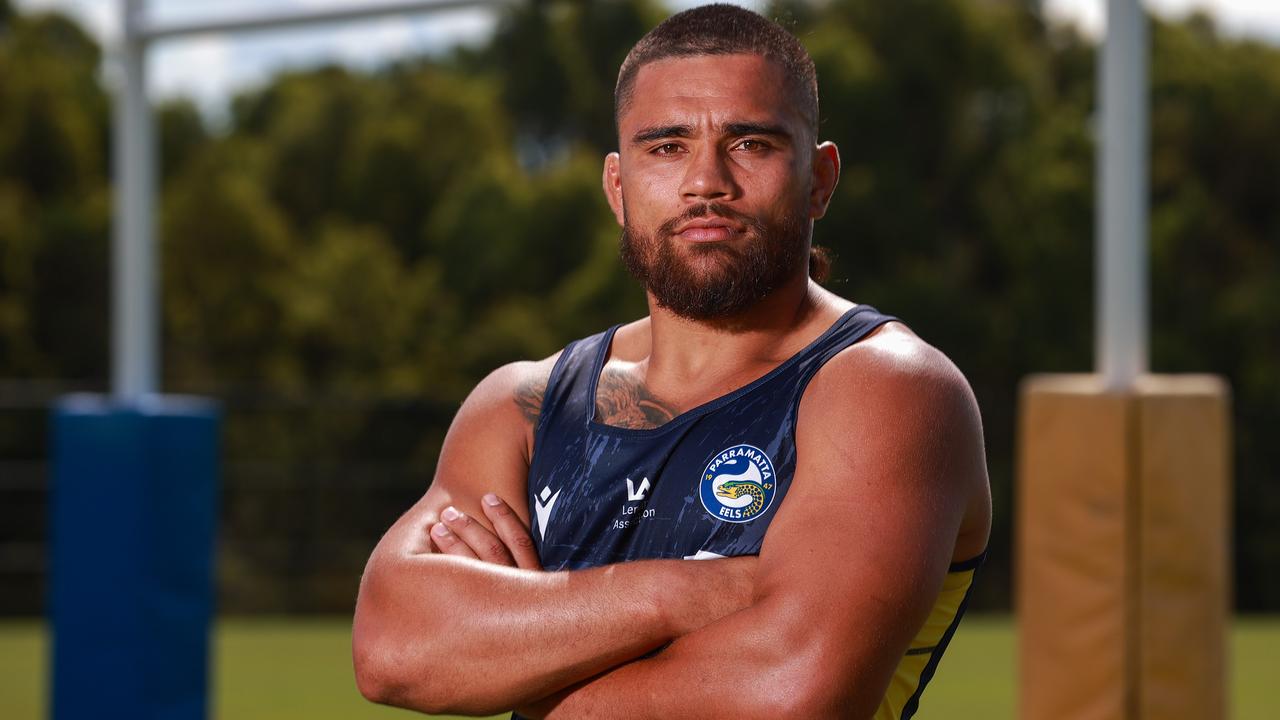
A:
(847, 595)
(861, 545)
(484, 451)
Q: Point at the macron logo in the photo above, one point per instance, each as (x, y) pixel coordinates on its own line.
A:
(542, 506)
(634, 493)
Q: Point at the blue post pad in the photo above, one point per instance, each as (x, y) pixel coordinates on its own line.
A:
(134, 513)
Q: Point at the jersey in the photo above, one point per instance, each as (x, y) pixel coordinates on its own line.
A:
(705, 484)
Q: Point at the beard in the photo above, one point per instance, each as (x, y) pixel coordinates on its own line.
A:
(709, 281)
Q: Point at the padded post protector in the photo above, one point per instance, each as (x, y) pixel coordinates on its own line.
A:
(1123, 580)
(134, 511)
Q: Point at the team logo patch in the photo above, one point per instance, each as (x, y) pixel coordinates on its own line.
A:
(738, 484)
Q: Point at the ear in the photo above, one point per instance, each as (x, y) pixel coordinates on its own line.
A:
(826, 173)
(612, 181)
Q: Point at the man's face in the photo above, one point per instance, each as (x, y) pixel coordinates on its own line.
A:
(713, 183)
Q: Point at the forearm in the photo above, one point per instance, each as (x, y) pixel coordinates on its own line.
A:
(438, 633)
(749, 664)
(682, 681)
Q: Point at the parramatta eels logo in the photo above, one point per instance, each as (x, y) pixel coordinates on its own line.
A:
(738, 484)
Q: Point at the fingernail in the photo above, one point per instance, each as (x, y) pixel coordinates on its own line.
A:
(450, 514)
(492, 500)
(440, 531)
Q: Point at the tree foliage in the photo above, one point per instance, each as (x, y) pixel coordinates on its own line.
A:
(399, 233)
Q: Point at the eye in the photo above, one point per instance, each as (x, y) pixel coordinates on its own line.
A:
(666, 149)
(752, 146)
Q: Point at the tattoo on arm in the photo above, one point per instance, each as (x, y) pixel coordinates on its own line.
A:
(622, 401)
(528, 397)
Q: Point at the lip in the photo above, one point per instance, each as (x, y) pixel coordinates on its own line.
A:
(712, 229)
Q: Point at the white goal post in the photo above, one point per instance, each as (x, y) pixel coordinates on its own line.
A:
(135, 329)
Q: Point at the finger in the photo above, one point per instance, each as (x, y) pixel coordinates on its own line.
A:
(511, 530)
(448, 543)
(483, 543)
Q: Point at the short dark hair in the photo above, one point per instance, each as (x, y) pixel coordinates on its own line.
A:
(723, 30)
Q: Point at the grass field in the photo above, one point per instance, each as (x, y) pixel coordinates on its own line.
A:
(280, 669)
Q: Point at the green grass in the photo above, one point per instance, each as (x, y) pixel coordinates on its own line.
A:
(279, 669)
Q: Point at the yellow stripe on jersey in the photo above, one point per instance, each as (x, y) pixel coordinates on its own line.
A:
(917, 665)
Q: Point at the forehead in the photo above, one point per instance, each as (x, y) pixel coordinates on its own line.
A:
(714, 88)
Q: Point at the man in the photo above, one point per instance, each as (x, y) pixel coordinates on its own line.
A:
(824, 461)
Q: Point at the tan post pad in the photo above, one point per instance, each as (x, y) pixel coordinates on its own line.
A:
(1123, 516)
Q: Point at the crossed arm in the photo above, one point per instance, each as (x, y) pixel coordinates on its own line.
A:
(454, 614)
(887, 491)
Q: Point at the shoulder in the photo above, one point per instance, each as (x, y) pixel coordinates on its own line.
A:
(491, 436)
(899, 416)
(889, 372)
(513, 391)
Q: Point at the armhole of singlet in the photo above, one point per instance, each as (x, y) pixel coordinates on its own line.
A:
(557, 374)
(803, 386)
(972, 563)
(597, 369)
(912, 705)
(557, 370)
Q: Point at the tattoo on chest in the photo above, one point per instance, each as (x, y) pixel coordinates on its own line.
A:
(623, 401)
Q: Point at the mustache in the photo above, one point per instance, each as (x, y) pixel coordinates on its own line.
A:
(753, 225)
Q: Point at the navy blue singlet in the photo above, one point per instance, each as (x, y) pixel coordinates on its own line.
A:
(705, 484)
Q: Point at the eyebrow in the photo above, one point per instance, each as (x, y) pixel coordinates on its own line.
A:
(660, 132)
(650, 134)
(749, 128)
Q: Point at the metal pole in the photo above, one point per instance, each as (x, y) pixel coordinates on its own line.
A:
(1122, 202)
(134, 328)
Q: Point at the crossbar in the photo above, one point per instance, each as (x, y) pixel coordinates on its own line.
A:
(149, 30)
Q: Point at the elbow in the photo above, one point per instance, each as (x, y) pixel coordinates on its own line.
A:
(386, 675)
(406, 650)
(391, 667)
(371, 649)
(373, 658)
(373, 679)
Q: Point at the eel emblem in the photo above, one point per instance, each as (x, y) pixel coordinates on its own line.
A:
(738, 484)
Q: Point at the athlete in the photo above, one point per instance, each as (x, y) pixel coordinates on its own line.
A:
(762, 500)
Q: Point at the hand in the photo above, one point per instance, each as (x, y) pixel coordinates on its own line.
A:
(510, 543)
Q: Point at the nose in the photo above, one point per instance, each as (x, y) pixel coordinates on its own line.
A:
(708, 176)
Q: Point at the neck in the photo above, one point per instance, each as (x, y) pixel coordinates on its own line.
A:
(694, 348)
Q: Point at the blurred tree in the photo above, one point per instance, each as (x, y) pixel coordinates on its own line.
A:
(53, 201)
(226, 253)
(431, 128)
(558, 63)
(397, 234)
